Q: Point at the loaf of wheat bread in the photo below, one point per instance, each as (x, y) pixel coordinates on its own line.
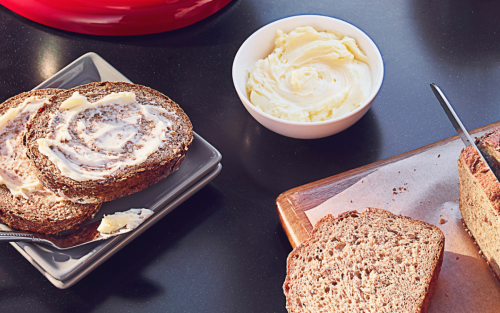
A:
(372, 261)
(24, 203)
(480, 197)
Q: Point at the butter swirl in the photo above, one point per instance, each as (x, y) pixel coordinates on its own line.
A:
(16, 171)
(310, 76)
(92, 141)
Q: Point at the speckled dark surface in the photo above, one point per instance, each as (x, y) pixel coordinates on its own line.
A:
(224, 250)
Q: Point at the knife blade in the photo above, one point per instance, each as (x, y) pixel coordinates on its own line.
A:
(68, 240)
(71, 238)
(460, 128)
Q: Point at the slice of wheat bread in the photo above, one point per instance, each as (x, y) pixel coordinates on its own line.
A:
(127, 179)
(480, 197)
(372, 261)
(36, 209)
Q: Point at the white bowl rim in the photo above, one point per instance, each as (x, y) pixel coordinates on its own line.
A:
(252, 107)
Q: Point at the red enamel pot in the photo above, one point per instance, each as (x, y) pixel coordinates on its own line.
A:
(115, 17)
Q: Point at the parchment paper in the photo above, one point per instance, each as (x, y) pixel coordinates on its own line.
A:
(429, 192)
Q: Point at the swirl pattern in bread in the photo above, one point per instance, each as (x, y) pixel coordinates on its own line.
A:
(103, 141)
(25, 204)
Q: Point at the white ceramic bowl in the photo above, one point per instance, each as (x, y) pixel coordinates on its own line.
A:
(261, 43)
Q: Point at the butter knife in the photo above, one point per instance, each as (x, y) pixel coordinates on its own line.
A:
(71, 239)
(460, 128)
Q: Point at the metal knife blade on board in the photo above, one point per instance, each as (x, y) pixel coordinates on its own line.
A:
(461, 130)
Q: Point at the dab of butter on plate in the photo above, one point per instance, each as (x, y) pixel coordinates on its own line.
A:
(123, 221)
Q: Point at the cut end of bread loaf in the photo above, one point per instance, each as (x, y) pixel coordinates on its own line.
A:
(372, 261)
(480, 198)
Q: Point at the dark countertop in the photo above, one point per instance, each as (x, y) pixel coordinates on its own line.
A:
(224, 250)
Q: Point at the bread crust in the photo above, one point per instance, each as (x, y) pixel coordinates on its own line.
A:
(491, 138)
(22, 214)
(482, 174)
(132, 179)
(432, 283)
(331, 220)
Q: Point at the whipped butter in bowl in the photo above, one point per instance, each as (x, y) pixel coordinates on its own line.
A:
(308, 76)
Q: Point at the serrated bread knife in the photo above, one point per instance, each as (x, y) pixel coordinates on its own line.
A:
(459, 127)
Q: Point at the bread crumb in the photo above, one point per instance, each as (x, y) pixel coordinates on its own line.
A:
(447, 294)
(439, 155)
(398, 190)
(392, 199)
(351, 201)
(442, 221)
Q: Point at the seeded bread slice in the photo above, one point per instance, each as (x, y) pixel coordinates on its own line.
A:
(372, 261)
(39, 214)
(480, 197)
(127, 180)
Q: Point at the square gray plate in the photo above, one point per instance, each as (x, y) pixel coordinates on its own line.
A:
(200, 166)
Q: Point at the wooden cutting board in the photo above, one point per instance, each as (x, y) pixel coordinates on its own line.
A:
(292, 204)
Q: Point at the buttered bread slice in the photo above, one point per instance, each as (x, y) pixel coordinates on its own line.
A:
(102, 141)
(25, 204)
(372, 261)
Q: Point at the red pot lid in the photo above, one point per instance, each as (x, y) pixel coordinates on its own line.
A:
(115, 17)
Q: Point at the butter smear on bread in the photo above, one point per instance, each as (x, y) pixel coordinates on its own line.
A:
(16, 172)
(94, 140)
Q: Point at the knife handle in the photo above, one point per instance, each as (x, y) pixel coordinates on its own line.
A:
(10, 237)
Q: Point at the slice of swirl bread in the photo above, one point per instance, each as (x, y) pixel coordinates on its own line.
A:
(103, 141)
(480, 197)
(372, 261)
(24, 203)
